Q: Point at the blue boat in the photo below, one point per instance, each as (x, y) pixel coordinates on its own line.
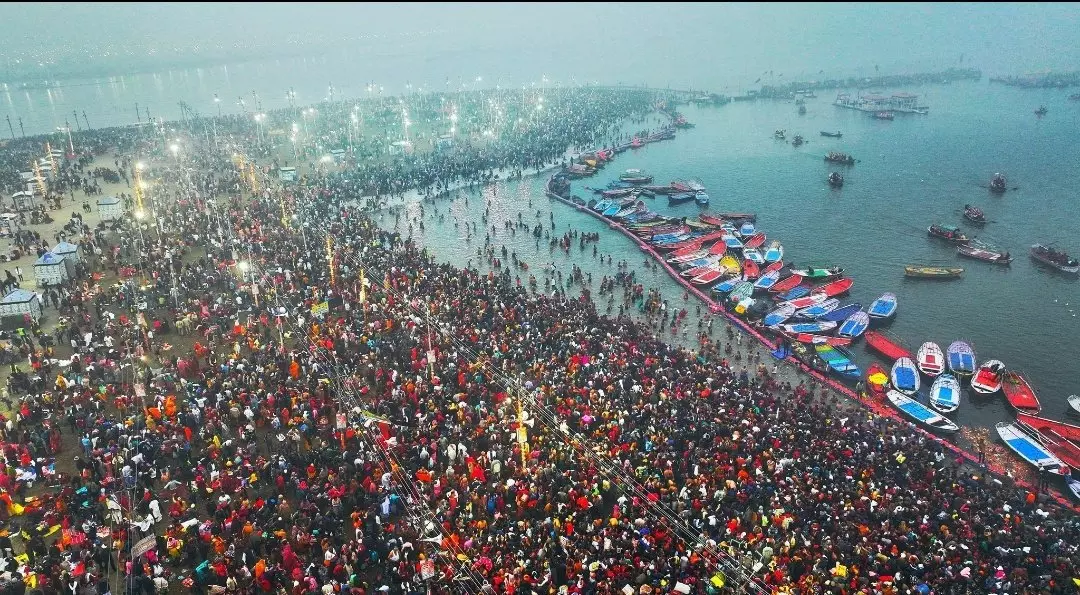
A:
(701, 198)
(839, 361)
(883, 308)
(842, 313)
(920, 413)
(1030, 449)
(603, 205)
(612, 210)
(727, 284)
(905, 376)
(818, 310)
(961, 358)
(766, 281)
(746, 229)
(618, 185)
(809, 327)
(678, 199)
(775, 252)
(796, 293)
(780, 315)
(855, 325)
(733, 242)
(945, 393)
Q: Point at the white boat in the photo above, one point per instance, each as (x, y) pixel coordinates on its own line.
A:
(1030, 449)
(780, 315)
(945, 393)
(1074, 486)
(931, 359)
(775, 252)
(988, 378)
(1074, 403)
(920, 413)
(753, 255)
(905, 376)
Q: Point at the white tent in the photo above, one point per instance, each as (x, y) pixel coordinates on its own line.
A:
(69, 251)
(17, 304)
(111, 208)
(50, 269)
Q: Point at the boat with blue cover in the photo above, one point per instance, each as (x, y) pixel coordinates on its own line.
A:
(795, 293)
(727, 285)
(741, 291)
(883, 308)
(775, 251)
(817, 310)
(945, 393)
(842, 313)
(1030, 449)
(839, 361)
(679, 198)
(746, 229)
(855, 325)
(753, 255)
(780, 315)
(701, 198)
(905, 376)
(920, 413)
(961, 358)
(809, 327)
(767, 281)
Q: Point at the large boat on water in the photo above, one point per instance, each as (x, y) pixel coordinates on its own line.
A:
(1055, 259)
(838, 157)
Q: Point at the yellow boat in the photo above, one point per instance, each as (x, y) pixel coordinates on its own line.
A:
(729, 264)
(925, 272)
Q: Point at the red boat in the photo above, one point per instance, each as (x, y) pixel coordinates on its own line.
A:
(711, 220)
(751, 270)
(718, 248)
(708, 277)
(838, 287)
(1057, 430)
(1020, 394)
(755, 240)
(776, 266)
(812, 339)
(887, 346)
(875, 389)
(786, 284)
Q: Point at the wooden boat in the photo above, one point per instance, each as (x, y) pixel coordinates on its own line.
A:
(779, 315)
(984, 253)
(817, 310)
(746, 229)
(766, 281)
(741, 291)
(727, 285)
(835, 179)
(796, 292)
(1054, 429)
(701, 198)
(635, 176)
(733, 242)
(812, 339)
(774, 267)
(729, 263)
(718, 247)
(1019, 394)
(701, 270)
(905, 376)
(948, 233)
(808, 327)
(886, 346)
(754, 255)
(945, 393)
(1074, 403)
(855, 325)
(786, 284)
(838, 287)
(836, 134)
(679, 198)
(820, 274)
(711, 219)
(839, 361)
(751, 270)
(974, 215)
(837, 157)
(755, 241)
(930, 272)
(961, 358)
(920, 413)
(1055, 259)
(987, 380)
(842, 313)
(877, 380)
(930, 358)
(998, 184)
(1029, 448)
(883, 308)
(708, 278)
(808, 300)
(775, 252)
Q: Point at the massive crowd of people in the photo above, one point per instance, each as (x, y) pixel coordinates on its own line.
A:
(271, 394)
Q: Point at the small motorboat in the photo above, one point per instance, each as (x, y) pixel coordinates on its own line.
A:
(746, 229)
(920, 413)
(930, 358)
(1029, 448)
(932, 272)
(877, 380)
(679, 198)
(837, 157)
(767, 281)
(998, 183)
(807, 300)
(905, 376)
(883, 308)
(786, 284)
(795, 293)
(809, 327)
(751, 270)
(774, 267)
(733, 242)
(1073, 484)
(855, 325)
(754, 255)
(987, 380)
(820, 274)
(948, 233)
(1055, 259)
(818, 310)
(780, 315)
(708, 277)
(727, 285)
(834, 288)
(842, 313)
(945, 393)
(835, 179)
(974, 215)
(888, 347)
(839, 361)
(836, 134)
(811, 339)
(961, 358)
(775, 252)
(701, 198)
(1019, 394)
(745, 306)
(1074, 404)
(635, 176)
(742, 291)
(984, 253)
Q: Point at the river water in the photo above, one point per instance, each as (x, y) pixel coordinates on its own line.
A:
(912, 172)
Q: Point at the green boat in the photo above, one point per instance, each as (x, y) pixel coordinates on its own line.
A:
(819, 273)
(742, 291)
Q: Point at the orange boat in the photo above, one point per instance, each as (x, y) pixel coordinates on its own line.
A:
(838, 287)
(877, 380)
(887, 346)
(786, 284)
(1020, 394)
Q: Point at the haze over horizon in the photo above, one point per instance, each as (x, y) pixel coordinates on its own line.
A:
(654, 43)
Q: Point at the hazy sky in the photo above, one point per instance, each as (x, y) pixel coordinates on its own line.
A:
(626, 39)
